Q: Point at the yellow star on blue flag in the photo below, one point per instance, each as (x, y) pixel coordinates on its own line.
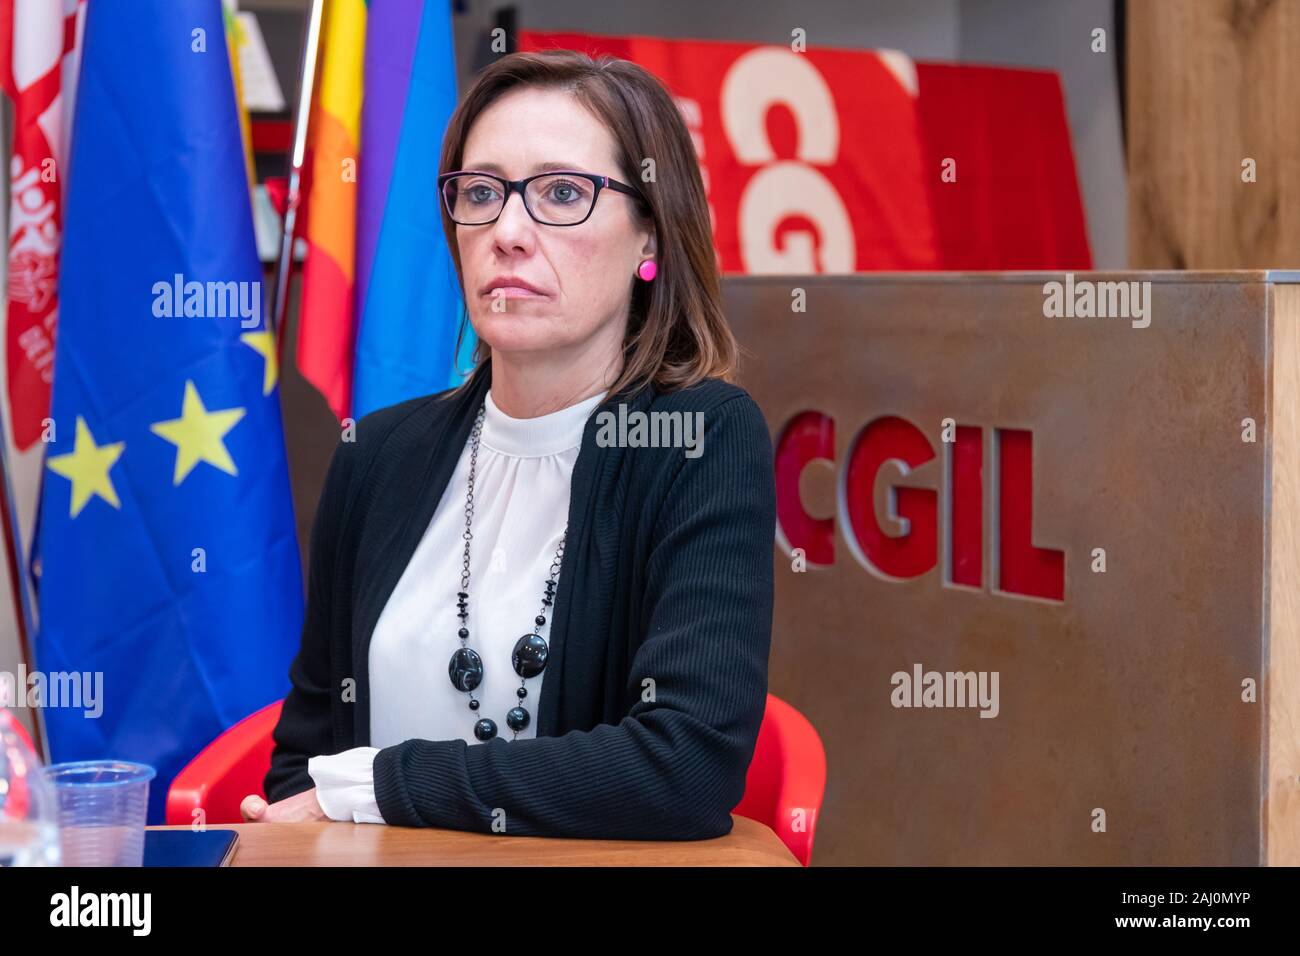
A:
(198, 434)
(263, 343)
(87, 467)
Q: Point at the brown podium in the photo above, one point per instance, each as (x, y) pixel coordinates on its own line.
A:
(1038, 560)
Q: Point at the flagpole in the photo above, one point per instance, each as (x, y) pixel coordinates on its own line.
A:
(13, 536)
(284, 267)
(18, 584)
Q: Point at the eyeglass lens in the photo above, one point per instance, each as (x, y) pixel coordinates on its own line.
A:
(557, 199)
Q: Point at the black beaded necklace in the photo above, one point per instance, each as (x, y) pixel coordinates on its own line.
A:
(531, 651)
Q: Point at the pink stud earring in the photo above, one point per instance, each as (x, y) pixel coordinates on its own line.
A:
(647, 269)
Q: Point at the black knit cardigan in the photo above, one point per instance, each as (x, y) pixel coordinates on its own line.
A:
(659, 635)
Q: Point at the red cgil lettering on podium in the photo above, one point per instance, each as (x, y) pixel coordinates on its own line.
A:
(1022, 568)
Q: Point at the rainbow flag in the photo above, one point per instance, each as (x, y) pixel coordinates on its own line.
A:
(380, 302)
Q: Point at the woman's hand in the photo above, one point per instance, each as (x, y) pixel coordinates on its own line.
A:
(300, 808)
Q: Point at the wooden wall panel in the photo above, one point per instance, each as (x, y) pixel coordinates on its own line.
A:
(1210, 83)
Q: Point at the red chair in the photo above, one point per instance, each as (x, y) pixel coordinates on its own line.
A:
(787, 778)
(225, 771)
(783, 788)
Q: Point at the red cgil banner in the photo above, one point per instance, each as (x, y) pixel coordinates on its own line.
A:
(836, 161)
(38, 41)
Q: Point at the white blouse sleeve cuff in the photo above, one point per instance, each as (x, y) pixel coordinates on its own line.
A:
(345, 785)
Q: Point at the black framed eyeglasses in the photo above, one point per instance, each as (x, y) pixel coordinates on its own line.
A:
(563, 197)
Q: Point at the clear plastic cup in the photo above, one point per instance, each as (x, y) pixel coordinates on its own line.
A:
(103, 806)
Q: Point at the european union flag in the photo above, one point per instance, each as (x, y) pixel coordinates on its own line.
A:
(168, 554)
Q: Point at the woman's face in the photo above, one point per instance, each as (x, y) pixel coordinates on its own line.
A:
(583, 273)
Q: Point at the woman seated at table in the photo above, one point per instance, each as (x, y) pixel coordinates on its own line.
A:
(537, 606)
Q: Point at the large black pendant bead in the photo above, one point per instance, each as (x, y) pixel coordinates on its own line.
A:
(517, 719)
(465, 669)
(485, 729)
(529, 658)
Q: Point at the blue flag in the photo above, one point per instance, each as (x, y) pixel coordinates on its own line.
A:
(168, 555)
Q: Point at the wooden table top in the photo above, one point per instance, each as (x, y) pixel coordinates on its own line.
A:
(368, 844)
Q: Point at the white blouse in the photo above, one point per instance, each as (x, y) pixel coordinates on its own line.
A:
(521, 506)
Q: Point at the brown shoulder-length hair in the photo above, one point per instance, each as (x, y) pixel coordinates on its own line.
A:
(676, 331)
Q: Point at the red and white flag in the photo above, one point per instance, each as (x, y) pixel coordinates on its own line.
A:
(38, 62)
